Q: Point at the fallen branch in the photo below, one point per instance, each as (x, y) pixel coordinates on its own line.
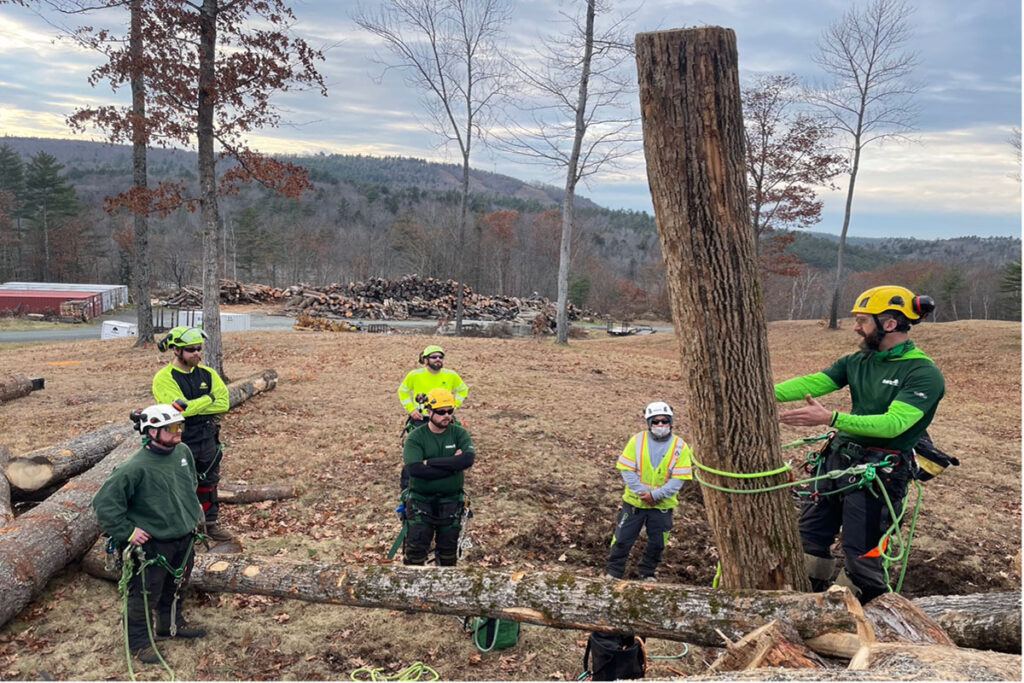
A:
(253, 493)
(41, 542)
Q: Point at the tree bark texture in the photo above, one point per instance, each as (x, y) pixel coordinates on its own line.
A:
(983, 621)
(46, 466)
(6, 511)
(41, 542)
(897, 619)
(693, 142)
(140, 178)
(14, 385)
(558, 600)
(212, 350)
(938, 662)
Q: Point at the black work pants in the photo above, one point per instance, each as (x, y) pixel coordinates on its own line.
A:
(433, 520)
(160, 586)
(627, 529)
(202, 439)
(863, 516)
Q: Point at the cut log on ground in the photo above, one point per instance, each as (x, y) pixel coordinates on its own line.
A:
(695, 615)
(896, 619)
(41, 542)
(253, 493)
(54, 464)
(15, 385)
(939, 662)
(983, 621)
(6, 511)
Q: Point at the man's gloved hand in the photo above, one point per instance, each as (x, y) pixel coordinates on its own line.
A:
(139, 536)
(179, 404)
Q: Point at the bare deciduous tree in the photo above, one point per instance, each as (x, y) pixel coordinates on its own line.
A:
(871, 96)
(579, 115)
(449, 50)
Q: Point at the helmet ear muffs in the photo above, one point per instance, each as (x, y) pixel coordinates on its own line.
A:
(923, 306)
(165, 342)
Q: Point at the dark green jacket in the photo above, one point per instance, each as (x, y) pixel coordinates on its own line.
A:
(894, 394)
(153, 491)
(445, 475)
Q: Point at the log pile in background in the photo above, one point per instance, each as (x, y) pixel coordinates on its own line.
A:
(410, 296)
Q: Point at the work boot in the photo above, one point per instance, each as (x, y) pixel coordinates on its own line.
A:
(147, 655)
(183, 631)
(217, 532)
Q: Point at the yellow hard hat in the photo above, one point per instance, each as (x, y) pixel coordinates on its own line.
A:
(893, 298)
(439, 398)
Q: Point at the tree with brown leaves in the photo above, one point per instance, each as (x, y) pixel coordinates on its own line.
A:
(235, 55)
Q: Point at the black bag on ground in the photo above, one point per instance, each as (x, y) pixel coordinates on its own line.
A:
(613, 657)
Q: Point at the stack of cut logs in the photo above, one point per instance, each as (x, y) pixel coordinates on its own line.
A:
(411, 296)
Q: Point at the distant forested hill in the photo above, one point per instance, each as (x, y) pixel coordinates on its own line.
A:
(867, 253)
(386, 217)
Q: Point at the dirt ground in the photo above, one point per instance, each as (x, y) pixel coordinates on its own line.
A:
(548, 424)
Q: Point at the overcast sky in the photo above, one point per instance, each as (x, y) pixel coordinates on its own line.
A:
(957, 178)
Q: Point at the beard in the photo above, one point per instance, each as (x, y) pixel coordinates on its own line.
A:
(435, 364)
(870, 342)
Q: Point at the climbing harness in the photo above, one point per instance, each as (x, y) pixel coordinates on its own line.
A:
(413, 672)
(861, 475)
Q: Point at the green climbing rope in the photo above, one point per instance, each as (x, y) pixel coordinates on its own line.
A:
(413, 672)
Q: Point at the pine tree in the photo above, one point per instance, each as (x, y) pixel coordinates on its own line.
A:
(48, 201)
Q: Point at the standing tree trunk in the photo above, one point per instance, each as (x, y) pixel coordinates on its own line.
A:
(140, 180)
(212, 350)
(693, 142)
(833, 311)
(571, 178)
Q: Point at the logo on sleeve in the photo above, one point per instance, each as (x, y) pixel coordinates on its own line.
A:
(184, 463)
(920, 395)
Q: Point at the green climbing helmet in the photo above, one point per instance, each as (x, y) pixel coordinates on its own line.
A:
(181, 336)
(429, 350)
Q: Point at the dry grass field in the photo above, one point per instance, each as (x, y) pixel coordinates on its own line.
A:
(548, 424)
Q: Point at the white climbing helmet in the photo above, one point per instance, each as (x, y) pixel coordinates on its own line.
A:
(657, 408)
(157, 416)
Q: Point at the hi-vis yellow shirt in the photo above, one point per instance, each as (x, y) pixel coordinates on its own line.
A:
(676, 464)
(422, 380)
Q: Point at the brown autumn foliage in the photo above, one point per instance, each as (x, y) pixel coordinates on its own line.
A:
(548, 423)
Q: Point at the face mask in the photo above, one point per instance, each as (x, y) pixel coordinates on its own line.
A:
(661, 431)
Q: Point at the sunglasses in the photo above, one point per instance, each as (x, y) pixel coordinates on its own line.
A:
(192, 349)
(661, 421)
(435, 357)
(173, 428)
(444, 411)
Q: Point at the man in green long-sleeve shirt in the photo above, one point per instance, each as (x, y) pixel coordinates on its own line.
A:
(895, 389)
(149, 501)
(436, 456)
